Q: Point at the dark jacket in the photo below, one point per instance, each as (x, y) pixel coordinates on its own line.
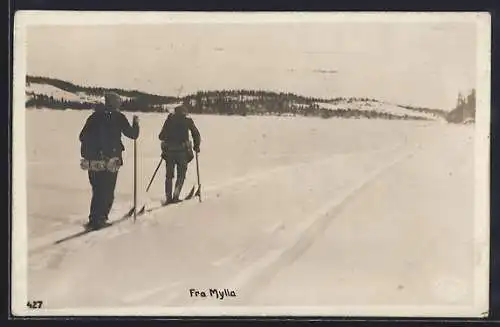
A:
(101, 136)
(176, 129)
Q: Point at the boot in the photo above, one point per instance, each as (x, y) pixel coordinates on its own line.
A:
(91, 224)
(103, 222)
(178, 187)
(97, 223)
(177, 192)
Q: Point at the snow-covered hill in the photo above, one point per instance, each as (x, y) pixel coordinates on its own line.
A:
(238, 102)
(373, 105)
(54, 92)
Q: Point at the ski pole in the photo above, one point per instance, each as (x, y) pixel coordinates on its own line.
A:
(149, 185)
(133, 209)
(154, 174)
(198, 175)
(135, 179)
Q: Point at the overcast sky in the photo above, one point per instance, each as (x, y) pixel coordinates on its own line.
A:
(423, 64)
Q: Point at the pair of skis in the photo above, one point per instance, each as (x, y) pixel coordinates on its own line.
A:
(192, 193)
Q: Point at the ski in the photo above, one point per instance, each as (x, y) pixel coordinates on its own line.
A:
(88, 230)
(158, 205)
(161, 205)
(192, 194)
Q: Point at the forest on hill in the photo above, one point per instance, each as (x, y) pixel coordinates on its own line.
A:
(465, 110)
(223, 102)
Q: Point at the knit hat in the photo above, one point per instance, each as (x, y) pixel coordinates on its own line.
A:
(181, 110)
(112, 100)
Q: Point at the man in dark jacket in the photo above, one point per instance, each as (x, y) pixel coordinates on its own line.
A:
(101, 150)
(176, 149)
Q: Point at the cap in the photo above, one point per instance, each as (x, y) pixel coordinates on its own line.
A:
(181, 110)
(112, 100)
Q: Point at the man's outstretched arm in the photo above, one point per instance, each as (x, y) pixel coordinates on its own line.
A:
(195, 133)
(130, 131)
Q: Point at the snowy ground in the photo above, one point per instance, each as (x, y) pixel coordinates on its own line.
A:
(296, 212)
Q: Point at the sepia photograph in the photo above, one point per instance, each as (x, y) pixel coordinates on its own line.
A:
(251, 164)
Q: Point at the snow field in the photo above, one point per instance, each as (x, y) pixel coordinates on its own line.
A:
(284, 199)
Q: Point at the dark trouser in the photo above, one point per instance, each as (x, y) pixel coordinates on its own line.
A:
(103, 191)
(175, 159)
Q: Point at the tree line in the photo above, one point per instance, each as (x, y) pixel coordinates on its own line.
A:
(465, 110)
(435, 112)
(40, 101)
(220, 102)
(270, 103)
(99, 91)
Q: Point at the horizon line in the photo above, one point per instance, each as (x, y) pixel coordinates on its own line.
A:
(235, 89)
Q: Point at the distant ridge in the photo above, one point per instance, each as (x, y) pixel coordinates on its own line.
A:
(92, 90)
(53, 93)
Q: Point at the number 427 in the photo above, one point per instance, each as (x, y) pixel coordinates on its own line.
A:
(34, 304)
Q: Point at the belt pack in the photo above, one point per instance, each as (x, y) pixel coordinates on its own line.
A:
(111, 165)
(171, 148)
(167, 147)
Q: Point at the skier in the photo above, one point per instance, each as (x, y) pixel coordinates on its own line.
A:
(177, 150)
(101, 151)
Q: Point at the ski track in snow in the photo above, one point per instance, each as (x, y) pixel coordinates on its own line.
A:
(38, 244)
(303, 234)
(313, 225)
(50, 254)
(263, 269)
